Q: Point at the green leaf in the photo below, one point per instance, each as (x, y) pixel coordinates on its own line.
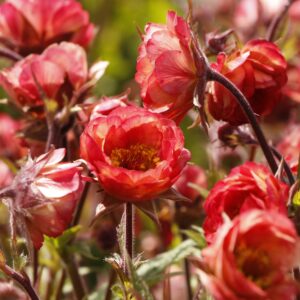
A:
(63, 240)
(296, 199)
(139, 284)
(197, 235)
(152, 270)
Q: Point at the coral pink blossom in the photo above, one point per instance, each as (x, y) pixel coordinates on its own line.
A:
(259, 71)
(6, 176)
(289, 146)
(58, 71)
(292, 89)
(252, 258)
(103, 107)
(191, 174)
(46, 191)
(135, 154)
(165, 68)
(31, 26)
(10, 144)
(246, 187)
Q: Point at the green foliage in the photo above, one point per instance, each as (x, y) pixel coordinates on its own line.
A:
(152, 271)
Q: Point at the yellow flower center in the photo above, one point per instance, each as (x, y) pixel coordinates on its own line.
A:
(255, 264)
(138, 157)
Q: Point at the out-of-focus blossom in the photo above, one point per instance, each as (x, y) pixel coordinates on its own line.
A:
(289, 146)
(248, 13)
(250, 186)
(259, 71)
(31, 26)
(292, 89)
(10, 145)
(103, 107)
(294, 11)
(135, 154)
(10, 292)
(55, 74)
(165, 68)
(6, 176)
(46, 193)
(252, 258)
(191, 174)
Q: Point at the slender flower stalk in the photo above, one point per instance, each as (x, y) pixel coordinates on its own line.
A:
(275, 24)
(216, 76)
(129, 233)
(22, 280)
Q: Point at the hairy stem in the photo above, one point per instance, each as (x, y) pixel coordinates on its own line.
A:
(76, 280)
(22, 280)
(128, 233)
(243, 102)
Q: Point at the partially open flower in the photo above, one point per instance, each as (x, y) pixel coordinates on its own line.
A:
(31, 26)
(46, 193)
(55, 74)
(289, 146)
(259, 71)
(252, 258)
(166, 69)
(135, 154)
(10, 292)
(246, 187)
(192, 174)
(103, 107)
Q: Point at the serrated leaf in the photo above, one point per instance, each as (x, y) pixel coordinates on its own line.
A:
(152, 270)
(137, 281)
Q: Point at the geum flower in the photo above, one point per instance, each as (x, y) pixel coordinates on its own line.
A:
(103, 106)
(135, 154)
(289, 146)
(166, 70)
(252, 258)
(44, 195)
(249, 186)
(31, 26)
(55, 74)
(259, 70)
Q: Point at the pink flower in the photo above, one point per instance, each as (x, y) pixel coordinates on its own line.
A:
(6, 176)
(247, 187)
(259, 71)
(166, 70)
(31, 26)
(59, 71)
(289, 146)
(46, 194)
(10, 144)
(104, 107)
(252, 258)
(248, 13)
(191, 174)
(135, 154)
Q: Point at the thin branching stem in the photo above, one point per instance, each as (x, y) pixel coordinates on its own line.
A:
(245, 106)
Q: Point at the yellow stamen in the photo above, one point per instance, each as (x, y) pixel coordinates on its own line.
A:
(138, 157)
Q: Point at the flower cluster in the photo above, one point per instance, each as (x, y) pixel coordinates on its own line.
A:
(69, 157)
